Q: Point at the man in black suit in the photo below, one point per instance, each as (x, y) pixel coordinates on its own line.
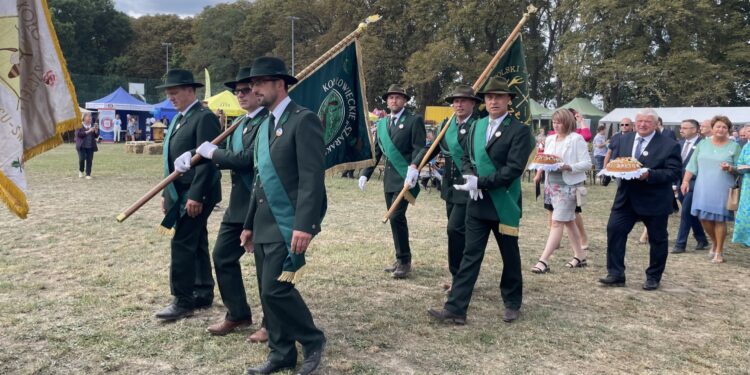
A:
(286, 209)
(188, 201)
(667, 132)
(400, 137)
(648, 198)
(690, 138)
(235, 154)
(498, 150)
(453, 146)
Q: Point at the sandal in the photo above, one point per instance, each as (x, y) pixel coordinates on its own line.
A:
(576, 263)
(539, 270)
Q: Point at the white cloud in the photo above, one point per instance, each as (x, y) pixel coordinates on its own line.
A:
(182, 8)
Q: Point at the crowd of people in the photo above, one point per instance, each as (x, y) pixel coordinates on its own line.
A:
(278, 199)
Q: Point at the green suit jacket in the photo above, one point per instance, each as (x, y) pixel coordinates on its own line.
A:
(509, 153)
(409, 137)
(201, 183)
(453, 174)
(298, 155)
(239, 164)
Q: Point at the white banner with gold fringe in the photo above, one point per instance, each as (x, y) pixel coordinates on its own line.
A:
(37, 98)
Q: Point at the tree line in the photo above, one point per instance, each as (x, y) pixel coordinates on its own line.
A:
(631, 54)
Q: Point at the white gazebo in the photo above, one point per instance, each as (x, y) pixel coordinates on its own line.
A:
(673, 116)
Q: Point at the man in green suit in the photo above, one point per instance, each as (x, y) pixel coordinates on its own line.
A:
(453, 146)
(235, 154)
(286, 209)
(498, 150)
(188, 201)
(401, 138)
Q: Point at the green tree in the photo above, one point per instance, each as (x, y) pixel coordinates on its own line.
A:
(91, 33)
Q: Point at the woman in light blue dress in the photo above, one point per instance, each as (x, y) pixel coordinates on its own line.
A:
(713, 163)
(742, 217)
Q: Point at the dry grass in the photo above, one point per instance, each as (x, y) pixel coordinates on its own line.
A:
(78, 292)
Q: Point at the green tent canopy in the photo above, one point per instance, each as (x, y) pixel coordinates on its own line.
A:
(540, 112)
(584, 106)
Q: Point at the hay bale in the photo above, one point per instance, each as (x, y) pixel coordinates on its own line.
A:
(129, 148)
(154, 149)
(138, 148)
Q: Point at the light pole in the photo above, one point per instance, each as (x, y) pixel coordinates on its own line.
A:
(167, 45)
(293, 18)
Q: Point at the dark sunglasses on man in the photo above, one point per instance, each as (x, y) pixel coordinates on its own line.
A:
(244, 90)
(624, 124)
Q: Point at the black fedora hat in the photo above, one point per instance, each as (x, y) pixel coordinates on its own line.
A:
(271, 67)
(462, 91)
(496, 85)
(179, 77)
(396, 89)
(242, 76)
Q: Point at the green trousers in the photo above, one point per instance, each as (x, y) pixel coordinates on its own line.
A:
(226, 257)
(511, 281)
(286, 315)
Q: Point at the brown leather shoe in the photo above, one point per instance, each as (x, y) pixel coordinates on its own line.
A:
(392, 267)
(225, 326)
(402, 271)
(445, 316)
(510, 315)
(259, 336)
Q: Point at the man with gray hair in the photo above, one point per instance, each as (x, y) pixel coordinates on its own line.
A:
(744, 134)
(647, 198)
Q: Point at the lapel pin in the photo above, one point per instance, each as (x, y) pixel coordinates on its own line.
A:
(178, 127)
(497, 134)
(244, 131)
(462, 131)
(279, 132)
(645, 153)
(401, 126)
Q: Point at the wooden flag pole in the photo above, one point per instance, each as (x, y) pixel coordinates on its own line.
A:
(196, 158)
(482, 78)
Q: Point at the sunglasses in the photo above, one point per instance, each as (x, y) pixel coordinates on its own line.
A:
(244, 91)
(625, 124)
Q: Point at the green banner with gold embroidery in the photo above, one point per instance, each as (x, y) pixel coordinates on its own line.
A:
(335, 91)
(512, 66)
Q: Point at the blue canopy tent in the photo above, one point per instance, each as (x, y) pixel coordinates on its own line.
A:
(124, 104)
(164, 109)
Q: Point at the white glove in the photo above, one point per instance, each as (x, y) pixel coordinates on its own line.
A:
(471, 183)
(412, 175)
(362, 182)
(182, 163)
(475, 194)
(206, 150)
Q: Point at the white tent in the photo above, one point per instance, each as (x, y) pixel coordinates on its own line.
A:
(673, 116)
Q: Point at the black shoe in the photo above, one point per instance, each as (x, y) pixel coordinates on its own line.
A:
(269, 368)
(174, 312)
(509, 315)
(445, 316)
(612, 281)
(402, 271)
(678, 250)
(702, 245)
(203, 303)
(650, 285)
(312, 360)
(392, 267)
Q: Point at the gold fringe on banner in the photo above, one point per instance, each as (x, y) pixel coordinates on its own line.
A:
(13, 197)
(168, 232)
(291, 277)
(508, 230)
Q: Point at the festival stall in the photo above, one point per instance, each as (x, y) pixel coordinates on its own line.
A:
(121, 103)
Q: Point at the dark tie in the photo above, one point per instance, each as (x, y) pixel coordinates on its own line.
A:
(639, 147)
(685, 150)
(271, 126)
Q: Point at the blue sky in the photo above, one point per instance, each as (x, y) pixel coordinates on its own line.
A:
(183, 8)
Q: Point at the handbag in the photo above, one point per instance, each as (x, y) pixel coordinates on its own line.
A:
(733, 200)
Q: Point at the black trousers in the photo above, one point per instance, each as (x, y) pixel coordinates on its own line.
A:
(456, 235)
(688, 221)
(286, 315)
(190, 276)
(85, 158)
(226, 256)
(511, 281)
(399, 228)
(621, 222)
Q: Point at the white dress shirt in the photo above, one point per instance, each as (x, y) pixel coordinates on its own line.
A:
(646, 141)
(494, 124)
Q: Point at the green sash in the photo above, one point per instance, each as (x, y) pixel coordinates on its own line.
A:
(394, 155)
(178, 209)
(456, 152)
(278, 200)
(238, 146)
(505, 199)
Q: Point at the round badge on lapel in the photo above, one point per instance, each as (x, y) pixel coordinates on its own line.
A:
(497, 134)
(401, 126)
(279, 132)
(462, 131)
(645, 153)
(244, 131)
(177, 127)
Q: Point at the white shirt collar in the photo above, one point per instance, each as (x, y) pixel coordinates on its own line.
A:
(647, 138)
(183, 113)
(692, 140)
(494, 124)
(398, 115)
(279, 110)
(255, 112)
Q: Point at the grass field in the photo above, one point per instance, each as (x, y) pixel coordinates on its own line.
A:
(78, 291)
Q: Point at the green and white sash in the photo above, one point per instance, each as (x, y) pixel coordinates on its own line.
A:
(395, 157)
(237, 145)
(505, 199)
